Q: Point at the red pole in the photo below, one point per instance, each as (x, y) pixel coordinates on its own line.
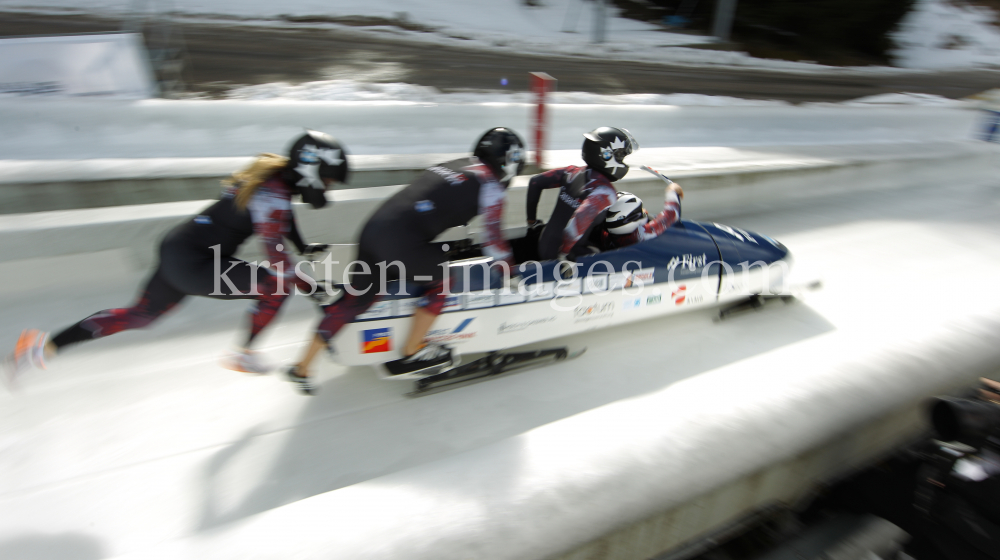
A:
(541, 84)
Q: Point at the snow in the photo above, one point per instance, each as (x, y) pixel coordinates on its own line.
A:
(350, 90)
(159, 128)
(937, 34)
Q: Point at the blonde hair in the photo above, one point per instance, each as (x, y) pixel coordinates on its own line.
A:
(249, 178)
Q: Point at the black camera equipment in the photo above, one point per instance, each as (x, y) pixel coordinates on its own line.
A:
(966, 421)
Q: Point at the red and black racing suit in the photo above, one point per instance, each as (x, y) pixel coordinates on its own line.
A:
(649, 230)
(196, 260)
(584, 197)
(444, 196)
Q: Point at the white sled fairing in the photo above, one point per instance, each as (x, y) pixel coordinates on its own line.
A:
(692, 265)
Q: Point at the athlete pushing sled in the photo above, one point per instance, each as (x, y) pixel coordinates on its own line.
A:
(256, 201)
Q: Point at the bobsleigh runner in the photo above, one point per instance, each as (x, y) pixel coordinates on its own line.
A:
(692, 265)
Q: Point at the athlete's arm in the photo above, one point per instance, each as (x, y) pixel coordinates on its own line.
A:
(599, 200)
(663, 220)
(271, 215)
(654, 227)
(293, 233)
(492, 197)
(548, 180)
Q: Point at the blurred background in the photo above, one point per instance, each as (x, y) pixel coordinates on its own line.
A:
(860, 133)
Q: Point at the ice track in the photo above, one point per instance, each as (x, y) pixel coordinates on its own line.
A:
(139, 439)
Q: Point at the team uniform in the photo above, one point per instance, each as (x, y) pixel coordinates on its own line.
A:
(584, 197)
(585, 193)
(188, 257)
(196, 257)
(402, 229)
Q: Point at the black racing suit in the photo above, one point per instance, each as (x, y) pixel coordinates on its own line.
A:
(444, 196)
(584, 197)
(196, 259)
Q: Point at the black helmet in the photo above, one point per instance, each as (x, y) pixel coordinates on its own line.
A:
(313, 157)
(502, 150)
(605, 148)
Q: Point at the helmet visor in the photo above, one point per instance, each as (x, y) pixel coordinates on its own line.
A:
(513, 160)
(633, 144)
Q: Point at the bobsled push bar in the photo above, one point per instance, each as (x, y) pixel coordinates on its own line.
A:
(491, 365)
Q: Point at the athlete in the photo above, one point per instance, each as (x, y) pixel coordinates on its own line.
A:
(444, 196)
(196, 257)
(628, 223)
(584, 193)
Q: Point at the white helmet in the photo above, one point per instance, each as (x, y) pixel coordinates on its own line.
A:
(625, 215)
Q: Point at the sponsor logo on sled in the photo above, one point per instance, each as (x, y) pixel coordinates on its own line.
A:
(457, 334)
(376, 340)
(452, 303)
(630, 303)
(639, 278)
(679, 295)
(516, 326)
(617, 280)
(738, 233)
(687, 262)
(406, 307)
(730, 284)
(476, 301)
(592, 312)
(682, 296)
(539, 291)
(379, 310)
(596, 283)
(635, 302)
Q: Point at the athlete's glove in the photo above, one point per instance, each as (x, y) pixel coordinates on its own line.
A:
(314, 248)
(565, 267)
(536, 225)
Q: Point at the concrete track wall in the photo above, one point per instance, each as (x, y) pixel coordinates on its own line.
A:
(647, 474)
(721, 185)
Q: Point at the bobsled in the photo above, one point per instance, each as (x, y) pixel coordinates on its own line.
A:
(692, 265)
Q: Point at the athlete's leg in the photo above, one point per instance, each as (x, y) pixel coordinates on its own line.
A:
(424, 317)
(335, 316)
(550, 241)
(340, 313)
(418, 355)
(272, 297)
(157, 297)
(235, 279)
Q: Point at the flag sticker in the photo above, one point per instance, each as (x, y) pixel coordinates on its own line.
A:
(376, 340)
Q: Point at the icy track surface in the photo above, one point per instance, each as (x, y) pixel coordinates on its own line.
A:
(126, 442)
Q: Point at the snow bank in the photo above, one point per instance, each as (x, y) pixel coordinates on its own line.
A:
(938, 34)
